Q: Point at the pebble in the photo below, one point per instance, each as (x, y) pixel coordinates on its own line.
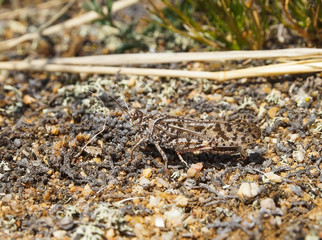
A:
(214, 97)
(248, 190)
(299, 155)
(59, 234)
(297, 190)
(66, 223)
(194, 169)
(87, 191)
(17, 142)
(147, 172)
(132, 81)
(315, 214)
(7, 198)
(28, 99)
(154, 202)
(174, 217)
(159, 222)
(110, 233)
(144, 182)
(268, 203)
(162, 183)
(293, 137)
(273, 177)
(272, 112)
(181, 201)
(167, 235)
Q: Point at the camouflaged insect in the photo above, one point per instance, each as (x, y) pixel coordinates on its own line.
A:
(191, 135)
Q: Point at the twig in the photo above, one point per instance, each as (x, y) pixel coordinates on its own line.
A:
(81, 151)
(306, 66)
(74, 22)
(156, 58)
(23, 11)
(57, 15)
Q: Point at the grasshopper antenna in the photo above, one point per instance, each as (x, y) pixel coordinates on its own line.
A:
(122, 108)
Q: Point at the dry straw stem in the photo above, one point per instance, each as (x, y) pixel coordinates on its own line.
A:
(157, 58)
(305, 66)
(26, 11)
(74, 22)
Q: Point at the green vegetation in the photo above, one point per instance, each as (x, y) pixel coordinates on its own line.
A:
(224, 24)
(239, 24)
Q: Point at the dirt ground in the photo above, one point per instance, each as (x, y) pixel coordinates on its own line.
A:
(65, 147)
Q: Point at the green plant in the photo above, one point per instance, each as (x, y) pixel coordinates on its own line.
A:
(220, 24)
(106, 14)
(304, 17)
(238, 24)
(127, 35)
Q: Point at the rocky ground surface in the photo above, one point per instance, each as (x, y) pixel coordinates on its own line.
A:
(65, 147)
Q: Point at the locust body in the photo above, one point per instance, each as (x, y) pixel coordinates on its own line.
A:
(191, 135)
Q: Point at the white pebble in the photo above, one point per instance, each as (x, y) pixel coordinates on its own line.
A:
(144, 182)
(167, 235)
(273, 177)
(163, 182)
(299, 155)
(174, 216)
(59, 234)
(159, 222)
(154, 201)
(248, 190)
(181, 201)
(268, 203)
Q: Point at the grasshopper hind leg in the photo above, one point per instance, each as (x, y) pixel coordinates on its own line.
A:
(164, 157)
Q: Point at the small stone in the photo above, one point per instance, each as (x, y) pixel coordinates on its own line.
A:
(154, 202)
(197, 166)
(299, 155)
(54, 131)
(191, 172)
(174, 217)
(59, 234)
(147, 172)
(268, 203)
(272, 112)
(215, 97)
(297, 190)
(132, 81)
(159, 222)
(94, 151)
(273, 177)
(144, 182)
(17, 142)
(140, 231)
(110, 233)
(7, 198)
(162, 183)
(276, 221)
(28, 99)
(248, 190)
(66, 223)
(87, 191)
(315, 214)
(181, 201)
(194, 169)
(294, 136)
(167, 235)
(231, 100)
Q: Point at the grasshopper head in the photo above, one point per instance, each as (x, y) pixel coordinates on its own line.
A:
(136, 117)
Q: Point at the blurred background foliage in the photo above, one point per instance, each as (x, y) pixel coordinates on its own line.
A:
(226, 24)
(240, 24)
